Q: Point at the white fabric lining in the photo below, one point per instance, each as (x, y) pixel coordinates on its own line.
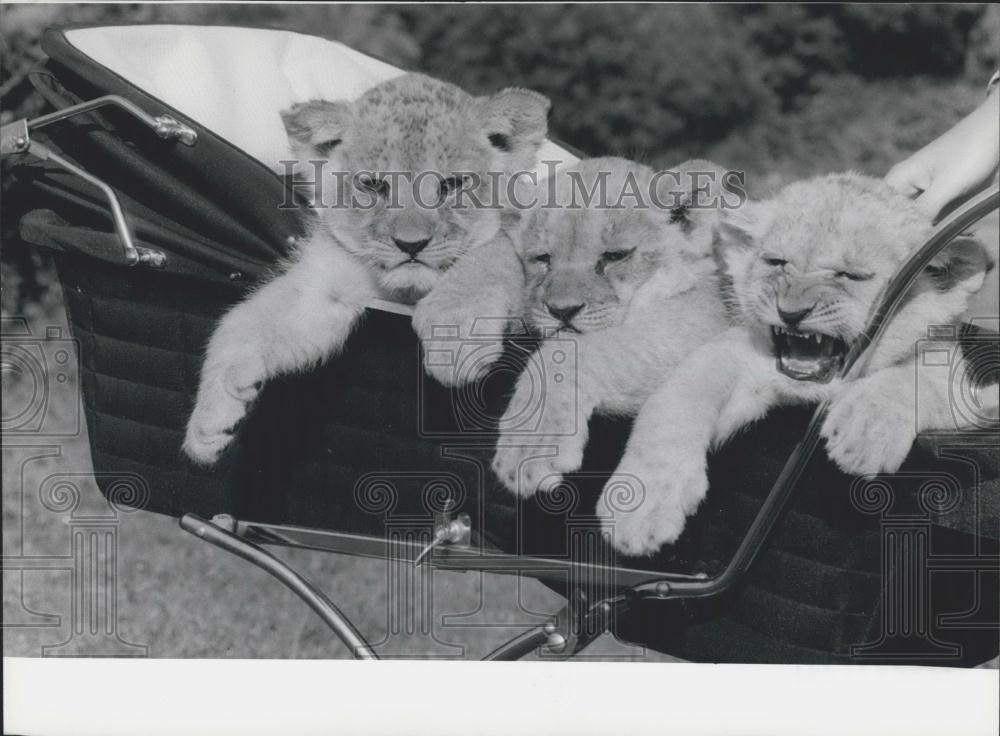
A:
(235, 81)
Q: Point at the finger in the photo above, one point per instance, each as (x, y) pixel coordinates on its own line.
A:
(954, 184)
(907, 179)
(934, 199)
(898, 179)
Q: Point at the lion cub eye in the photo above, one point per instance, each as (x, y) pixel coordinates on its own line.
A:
(614, 256)
(679, 214)
(853, 276)
(326, 147)
(775, 262)
(452, 183)
(542, 258)
(374, 184)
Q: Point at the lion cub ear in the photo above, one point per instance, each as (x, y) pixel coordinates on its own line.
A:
(963, 264)
(735, 228)
(315, 128)
(737, 234)
(516, 122)
(694, 193)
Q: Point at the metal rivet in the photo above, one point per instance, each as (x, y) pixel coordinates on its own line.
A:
(225, 521)
(171, 129)
(662, 588)
(153, 258)
(556, 642)
(549, 628)
(20, 142)
(200, 531)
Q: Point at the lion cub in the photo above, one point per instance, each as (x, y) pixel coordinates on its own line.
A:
(620, 287)
(375, 235)
(806, 268)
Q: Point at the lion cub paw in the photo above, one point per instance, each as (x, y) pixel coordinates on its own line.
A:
(865, 433)
(460, 362)
(459, 345)
(542, 437)
(223, 399)
(535, 463)
(646, 508)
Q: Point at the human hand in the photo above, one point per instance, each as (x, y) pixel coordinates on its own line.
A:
(955, 164)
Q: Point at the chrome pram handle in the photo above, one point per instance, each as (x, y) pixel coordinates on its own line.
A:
(15, 139)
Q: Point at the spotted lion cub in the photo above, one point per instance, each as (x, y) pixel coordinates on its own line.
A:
(806, 268)
(621, 286)
(396, 240)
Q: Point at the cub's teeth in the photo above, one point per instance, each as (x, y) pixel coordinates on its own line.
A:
(818, 338)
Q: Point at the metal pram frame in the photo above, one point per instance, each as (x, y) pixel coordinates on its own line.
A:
(574, 627)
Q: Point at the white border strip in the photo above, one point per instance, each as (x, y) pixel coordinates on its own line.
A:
(115, 696)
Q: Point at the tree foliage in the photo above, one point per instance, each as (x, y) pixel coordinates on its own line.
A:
(622, 78)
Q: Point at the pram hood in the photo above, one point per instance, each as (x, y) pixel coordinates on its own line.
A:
(234, 81)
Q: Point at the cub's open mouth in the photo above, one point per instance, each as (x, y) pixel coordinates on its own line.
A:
(808, 356)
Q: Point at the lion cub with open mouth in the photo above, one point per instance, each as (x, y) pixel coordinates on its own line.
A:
(806, 268)
(375, 235)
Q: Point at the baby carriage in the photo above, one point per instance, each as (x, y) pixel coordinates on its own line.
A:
(155, 184)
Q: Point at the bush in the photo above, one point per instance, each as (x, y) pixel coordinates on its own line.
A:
(623, 79)
(801, 45)
(907, 40)
(848, 124)
(984, 47)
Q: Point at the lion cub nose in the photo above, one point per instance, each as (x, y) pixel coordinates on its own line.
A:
(411, 247)
(564, 312)
(794, 317)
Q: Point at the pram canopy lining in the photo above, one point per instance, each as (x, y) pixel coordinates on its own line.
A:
(235, 81)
